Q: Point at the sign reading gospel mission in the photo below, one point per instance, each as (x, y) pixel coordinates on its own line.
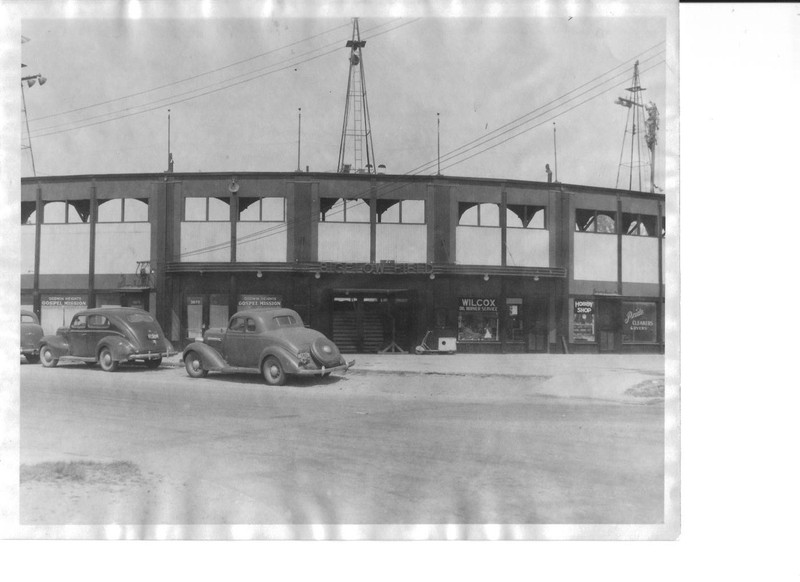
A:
(64, 300)
(259, 301)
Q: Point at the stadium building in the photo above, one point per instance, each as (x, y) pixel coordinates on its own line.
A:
(374, 261)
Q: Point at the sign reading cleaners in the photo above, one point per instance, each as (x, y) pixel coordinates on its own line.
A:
(638, 322)
(583, 320)
(259, 301)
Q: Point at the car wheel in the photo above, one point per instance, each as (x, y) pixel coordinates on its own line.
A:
(107, 361)
(32, 358)
(48, 359)
(152, 364)
(194, 367)
(273, 372)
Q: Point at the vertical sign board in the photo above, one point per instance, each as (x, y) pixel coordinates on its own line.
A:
(583, 320)
(58, 310)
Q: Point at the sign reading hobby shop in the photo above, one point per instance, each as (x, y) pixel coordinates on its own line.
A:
(382, 268)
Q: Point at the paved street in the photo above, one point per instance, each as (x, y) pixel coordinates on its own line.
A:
(364, 448)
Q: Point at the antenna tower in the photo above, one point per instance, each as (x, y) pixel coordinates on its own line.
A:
(631, 155)
(356, 127)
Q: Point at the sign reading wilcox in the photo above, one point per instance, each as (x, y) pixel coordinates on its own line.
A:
(383, 268)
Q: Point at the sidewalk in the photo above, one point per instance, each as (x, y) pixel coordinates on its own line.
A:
(629, 378)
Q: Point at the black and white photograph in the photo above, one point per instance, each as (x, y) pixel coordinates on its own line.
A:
(338, 272)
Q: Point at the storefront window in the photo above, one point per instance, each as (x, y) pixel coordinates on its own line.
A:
(583, 320)
(638, 322)
(477, 319)
(58, 310)
(218, 312)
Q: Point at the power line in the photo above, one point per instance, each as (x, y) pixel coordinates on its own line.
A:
(197, 76)
(282, 227)
(171, 100)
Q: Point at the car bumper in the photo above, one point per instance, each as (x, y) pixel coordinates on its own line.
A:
(150, 356)
(28, 351)
(321, 371)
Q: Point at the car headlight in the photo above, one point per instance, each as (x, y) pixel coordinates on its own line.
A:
(304, 358)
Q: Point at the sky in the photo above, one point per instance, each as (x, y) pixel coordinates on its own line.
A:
(234, 80)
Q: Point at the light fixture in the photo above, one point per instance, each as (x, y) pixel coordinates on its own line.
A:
(536, 278)
(486, 277)
(259, 274)
(317, 275)
(433, 276)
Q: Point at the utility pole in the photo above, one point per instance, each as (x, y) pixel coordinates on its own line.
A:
(299, 117)
(438, 148)
(31, 80)
(555, 150)
(169, 142)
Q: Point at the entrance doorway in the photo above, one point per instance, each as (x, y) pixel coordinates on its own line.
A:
(538, 324)
(369, 321)
(609, 325)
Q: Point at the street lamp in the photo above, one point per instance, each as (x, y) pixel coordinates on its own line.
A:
(31, 80)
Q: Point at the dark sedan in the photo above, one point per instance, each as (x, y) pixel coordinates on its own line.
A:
(30, 334)
(108, 336)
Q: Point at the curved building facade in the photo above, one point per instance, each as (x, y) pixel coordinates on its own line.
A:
(373, 261)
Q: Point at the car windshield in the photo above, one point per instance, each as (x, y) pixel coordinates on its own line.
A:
(139, 318)
(28, 319)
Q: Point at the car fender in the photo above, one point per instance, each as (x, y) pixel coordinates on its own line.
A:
(210, 357)
(287, 359)
(119, 347)
(57, 343)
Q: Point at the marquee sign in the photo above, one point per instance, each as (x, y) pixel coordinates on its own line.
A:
(383, 268)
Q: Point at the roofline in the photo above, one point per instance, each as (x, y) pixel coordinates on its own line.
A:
(311, 176)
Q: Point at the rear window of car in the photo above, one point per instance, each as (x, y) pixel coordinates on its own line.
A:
(284, 320)
(139, 318)
(98, 322)
(28, 319)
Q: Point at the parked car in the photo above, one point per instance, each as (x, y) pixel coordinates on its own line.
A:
(271, 341)
(30, 333)
(108, 336)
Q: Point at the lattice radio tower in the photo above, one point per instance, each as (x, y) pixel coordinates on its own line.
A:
(632, 138)
(356, 127)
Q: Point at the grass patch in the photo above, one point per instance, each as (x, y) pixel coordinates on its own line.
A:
(647, 389)
(79, 471)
